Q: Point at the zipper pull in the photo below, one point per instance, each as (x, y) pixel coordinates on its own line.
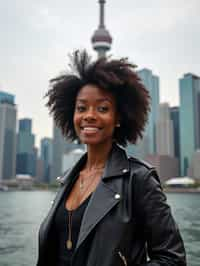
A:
(123, 258)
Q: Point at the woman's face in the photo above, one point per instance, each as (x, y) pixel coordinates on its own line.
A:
(95, 115)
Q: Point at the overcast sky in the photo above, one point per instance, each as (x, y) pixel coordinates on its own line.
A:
(37, 35)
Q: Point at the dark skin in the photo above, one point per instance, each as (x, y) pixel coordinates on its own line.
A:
(95, 119)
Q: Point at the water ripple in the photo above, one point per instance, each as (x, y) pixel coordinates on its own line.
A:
(10, 249)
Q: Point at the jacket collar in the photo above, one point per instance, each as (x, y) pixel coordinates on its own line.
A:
(116, 165)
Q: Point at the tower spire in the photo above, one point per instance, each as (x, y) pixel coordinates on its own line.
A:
(101, 24)
(101, 39)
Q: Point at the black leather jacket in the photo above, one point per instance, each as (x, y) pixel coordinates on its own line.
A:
(127, 217)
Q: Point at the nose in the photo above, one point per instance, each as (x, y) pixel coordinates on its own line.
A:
(90, 115)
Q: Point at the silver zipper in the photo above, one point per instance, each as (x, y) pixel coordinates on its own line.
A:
(122, 258)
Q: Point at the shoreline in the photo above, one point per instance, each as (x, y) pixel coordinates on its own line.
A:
(182, 190)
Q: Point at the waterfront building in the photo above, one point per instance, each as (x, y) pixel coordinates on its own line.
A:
(40, 173)
(25, 125)
(61, 146)
(194, 167)
(101, 39)
(6, 97)
(26, 155)
(35, 159)
(70, 158)
(148, 144)
(164, 131)
(174, 115)
(166, 165)
(140, 149)
(180, 182)
(24, 182)
(8, 114)
(189, 90)
(46, 149)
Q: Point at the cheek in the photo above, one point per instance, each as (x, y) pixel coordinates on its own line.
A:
(76, 120)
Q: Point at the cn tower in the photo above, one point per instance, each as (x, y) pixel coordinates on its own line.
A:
(101, 40)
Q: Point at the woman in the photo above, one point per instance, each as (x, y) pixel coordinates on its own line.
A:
(111, 210)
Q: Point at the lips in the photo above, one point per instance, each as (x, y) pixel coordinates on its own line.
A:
(90, 129)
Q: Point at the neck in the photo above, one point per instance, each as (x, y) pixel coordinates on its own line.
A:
(97, 156)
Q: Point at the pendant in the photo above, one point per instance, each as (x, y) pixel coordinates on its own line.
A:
(81, 185)
(69, 244)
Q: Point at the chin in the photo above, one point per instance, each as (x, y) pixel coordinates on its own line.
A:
(91, 142)
(96, 142)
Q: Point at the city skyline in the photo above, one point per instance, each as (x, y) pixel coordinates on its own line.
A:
(37, 36)
(164, 130)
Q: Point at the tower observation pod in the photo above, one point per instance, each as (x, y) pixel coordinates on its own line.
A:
(101, 40)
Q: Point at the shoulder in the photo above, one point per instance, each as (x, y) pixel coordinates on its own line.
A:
(142, 170)
(146, 184)
(140, 163)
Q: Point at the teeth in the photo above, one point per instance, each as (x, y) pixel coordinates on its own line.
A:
(90, 128)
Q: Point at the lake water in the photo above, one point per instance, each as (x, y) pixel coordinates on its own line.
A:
(21, 213)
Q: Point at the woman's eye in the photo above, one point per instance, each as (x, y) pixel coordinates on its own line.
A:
(103, 109)
(80, 108)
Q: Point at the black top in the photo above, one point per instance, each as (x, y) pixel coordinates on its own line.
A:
(61, 221)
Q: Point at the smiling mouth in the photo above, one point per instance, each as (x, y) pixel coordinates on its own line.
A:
(90, 129)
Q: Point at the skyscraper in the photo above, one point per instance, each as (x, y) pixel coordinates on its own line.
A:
(25, 125)
(194, 167)
(189, 90)
(46, 157)
(60, 147)
(8, 113)
(174, 114)
(151, 83)
(26, 157)
(101, 40)
(7, 97)
(164, 131)
(164, 160)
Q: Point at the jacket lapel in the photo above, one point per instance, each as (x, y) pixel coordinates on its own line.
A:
(67, 182)
(97, 209)
(46, 224)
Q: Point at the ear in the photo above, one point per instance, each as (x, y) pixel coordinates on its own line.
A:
(117, 124)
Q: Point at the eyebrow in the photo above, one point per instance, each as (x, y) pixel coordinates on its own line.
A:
(98, 100)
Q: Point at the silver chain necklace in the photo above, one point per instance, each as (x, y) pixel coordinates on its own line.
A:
(83, 189)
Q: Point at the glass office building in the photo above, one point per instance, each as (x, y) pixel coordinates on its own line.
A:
(8, 113)
(26, 158)
(189, 89)
(148, 144)
(7, 97)
(46, 156)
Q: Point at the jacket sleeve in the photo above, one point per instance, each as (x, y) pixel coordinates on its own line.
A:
(164, 242)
